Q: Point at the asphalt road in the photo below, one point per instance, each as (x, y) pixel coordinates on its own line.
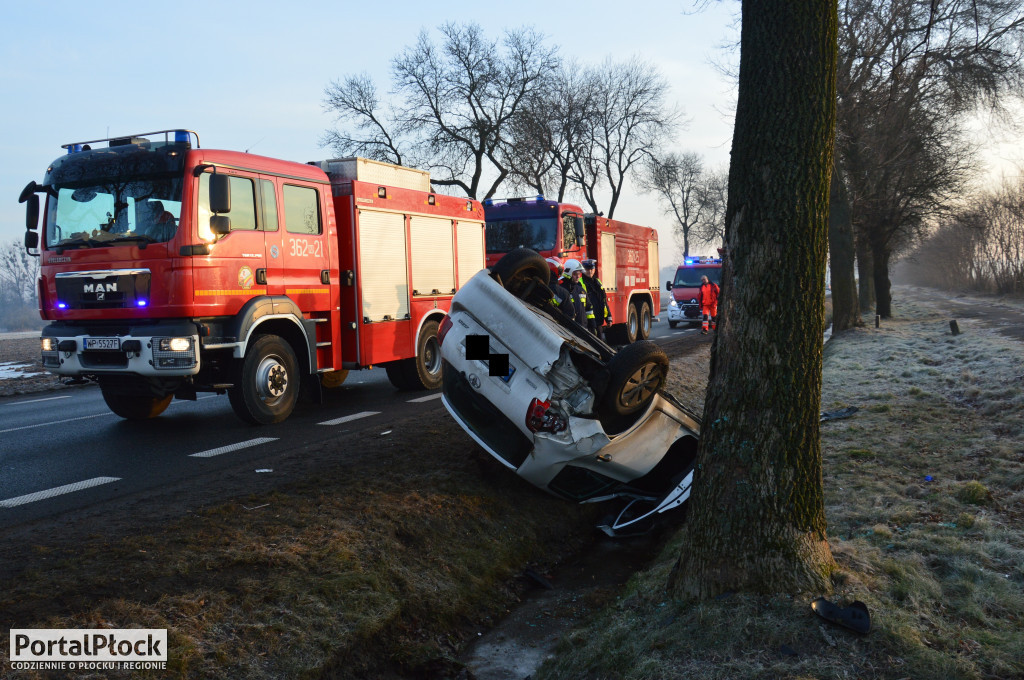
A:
(63, 451)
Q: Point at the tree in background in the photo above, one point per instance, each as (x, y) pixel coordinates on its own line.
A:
(632, 122)
(909, 73)
(692, 195)
(757, 518)
(458, 103)
(19, 272)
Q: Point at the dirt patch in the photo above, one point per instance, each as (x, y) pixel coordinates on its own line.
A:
(24, 354)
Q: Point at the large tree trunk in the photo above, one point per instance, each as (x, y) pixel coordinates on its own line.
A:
(757, 517)
(845, 305)
(865, 274)
(883, 297)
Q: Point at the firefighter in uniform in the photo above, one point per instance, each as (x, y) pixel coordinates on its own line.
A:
(599, 299)
(707, 298)
(576, 305)
(559, 293)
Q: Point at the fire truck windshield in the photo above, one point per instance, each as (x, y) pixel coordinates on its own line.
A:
(535, 233)
(689, 277)
(113, 197)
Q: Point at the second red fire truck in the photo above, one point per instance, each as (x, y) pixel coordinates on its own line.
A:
(627, 254)
(170, 269)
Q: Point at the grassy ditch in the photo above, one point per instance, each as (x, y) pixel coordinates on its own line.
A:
(364, 570)
(925, 500)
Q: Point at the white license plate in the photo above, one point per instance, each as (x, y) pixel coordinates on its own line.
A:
(103, 343)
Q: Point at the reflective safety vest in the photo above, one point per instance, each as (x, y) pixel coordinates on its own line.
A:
(588, 304)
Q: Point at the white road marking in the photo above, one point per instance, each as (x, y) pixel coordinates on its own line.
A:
(57, 491)
(426, 398)
(32, 401)
(232, 447)
(96, 415)
(345, 419)
(54, 422)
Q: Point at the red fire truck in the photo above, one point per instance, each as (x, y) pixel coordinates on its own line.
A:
(169, 269)
(683, 307)
(626, 254)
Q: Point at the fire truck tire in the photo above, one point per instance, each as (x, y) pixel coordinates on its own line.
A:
(636, 373)
(422, 372)
(525, 274)
(266, 382)
(632, 324)
(134, 406)
(645, 320)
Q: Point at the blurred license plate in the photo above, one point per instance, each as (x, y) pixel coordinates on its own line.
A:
(103, 343)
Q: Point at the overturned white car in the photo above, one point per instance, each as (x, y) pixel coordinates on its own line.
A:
(564, 410)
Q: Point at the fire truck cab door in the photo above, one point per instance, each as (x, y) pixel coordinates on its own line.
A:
(298, 250)
(232, 273)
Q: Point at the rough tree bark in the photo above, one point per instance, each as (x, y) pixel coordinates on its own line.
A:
(845, 305)
(865, 274)
(757, 514)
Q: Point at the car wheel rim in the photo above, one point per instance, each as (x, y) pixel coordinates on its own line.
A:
(271, 379)
(432, 356)
(640, 386)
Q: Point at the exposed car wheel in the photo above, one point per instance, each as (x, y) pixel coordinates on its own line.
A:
(636, 373)
(525, 274)
(645, 320)
(423, 371)
(672, 324)
(267, 382)
(632, 324)
(134, 406)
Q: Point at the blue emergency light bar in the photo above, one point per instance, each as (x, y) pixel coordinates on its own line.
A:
(539, 198)
(180, 136)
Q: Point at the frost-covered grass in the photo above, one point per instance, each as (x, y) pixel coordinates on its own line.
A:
(925, 500)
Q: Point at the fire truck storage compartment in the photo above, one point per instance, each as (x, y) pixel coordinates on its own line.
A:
(608, 270)
(470, 239)
(376, 172)
(383, 264)
(433, 256)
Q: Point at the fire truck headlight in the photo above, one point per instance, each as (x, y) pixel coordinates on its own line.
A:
(175, 344)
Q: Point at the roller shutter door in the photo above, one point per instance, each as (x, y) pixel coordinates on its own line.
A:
(433, 256)
(471, 249)
(606, 267)
(382, 266)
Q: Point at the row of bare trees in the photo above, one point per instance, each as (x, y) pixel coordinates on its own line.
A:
(910, 72)
(18, 274)
(980, 248)
(483, 114)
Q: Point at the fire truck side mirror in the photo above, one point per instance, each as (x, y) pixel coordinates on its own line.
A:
(220, 224)
(32, 213)
(220, 194)
(581, 234)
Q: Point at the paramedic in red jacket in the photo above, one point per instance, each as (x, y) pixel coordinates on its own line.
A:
(707, 298)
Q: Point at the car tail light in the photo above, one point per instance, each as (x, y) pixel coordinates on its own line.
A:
(446, 325)
(539, 418)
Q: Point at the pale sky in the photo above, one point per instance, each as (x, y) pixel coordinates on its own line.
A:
(251, 75)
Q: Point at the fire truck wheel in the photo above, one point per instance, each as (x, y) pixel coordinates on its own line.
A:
(423, 371)
(266, 383)
(525, 274)
(637, 372)
(645, 320)
(632, 324)
(133, 406)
